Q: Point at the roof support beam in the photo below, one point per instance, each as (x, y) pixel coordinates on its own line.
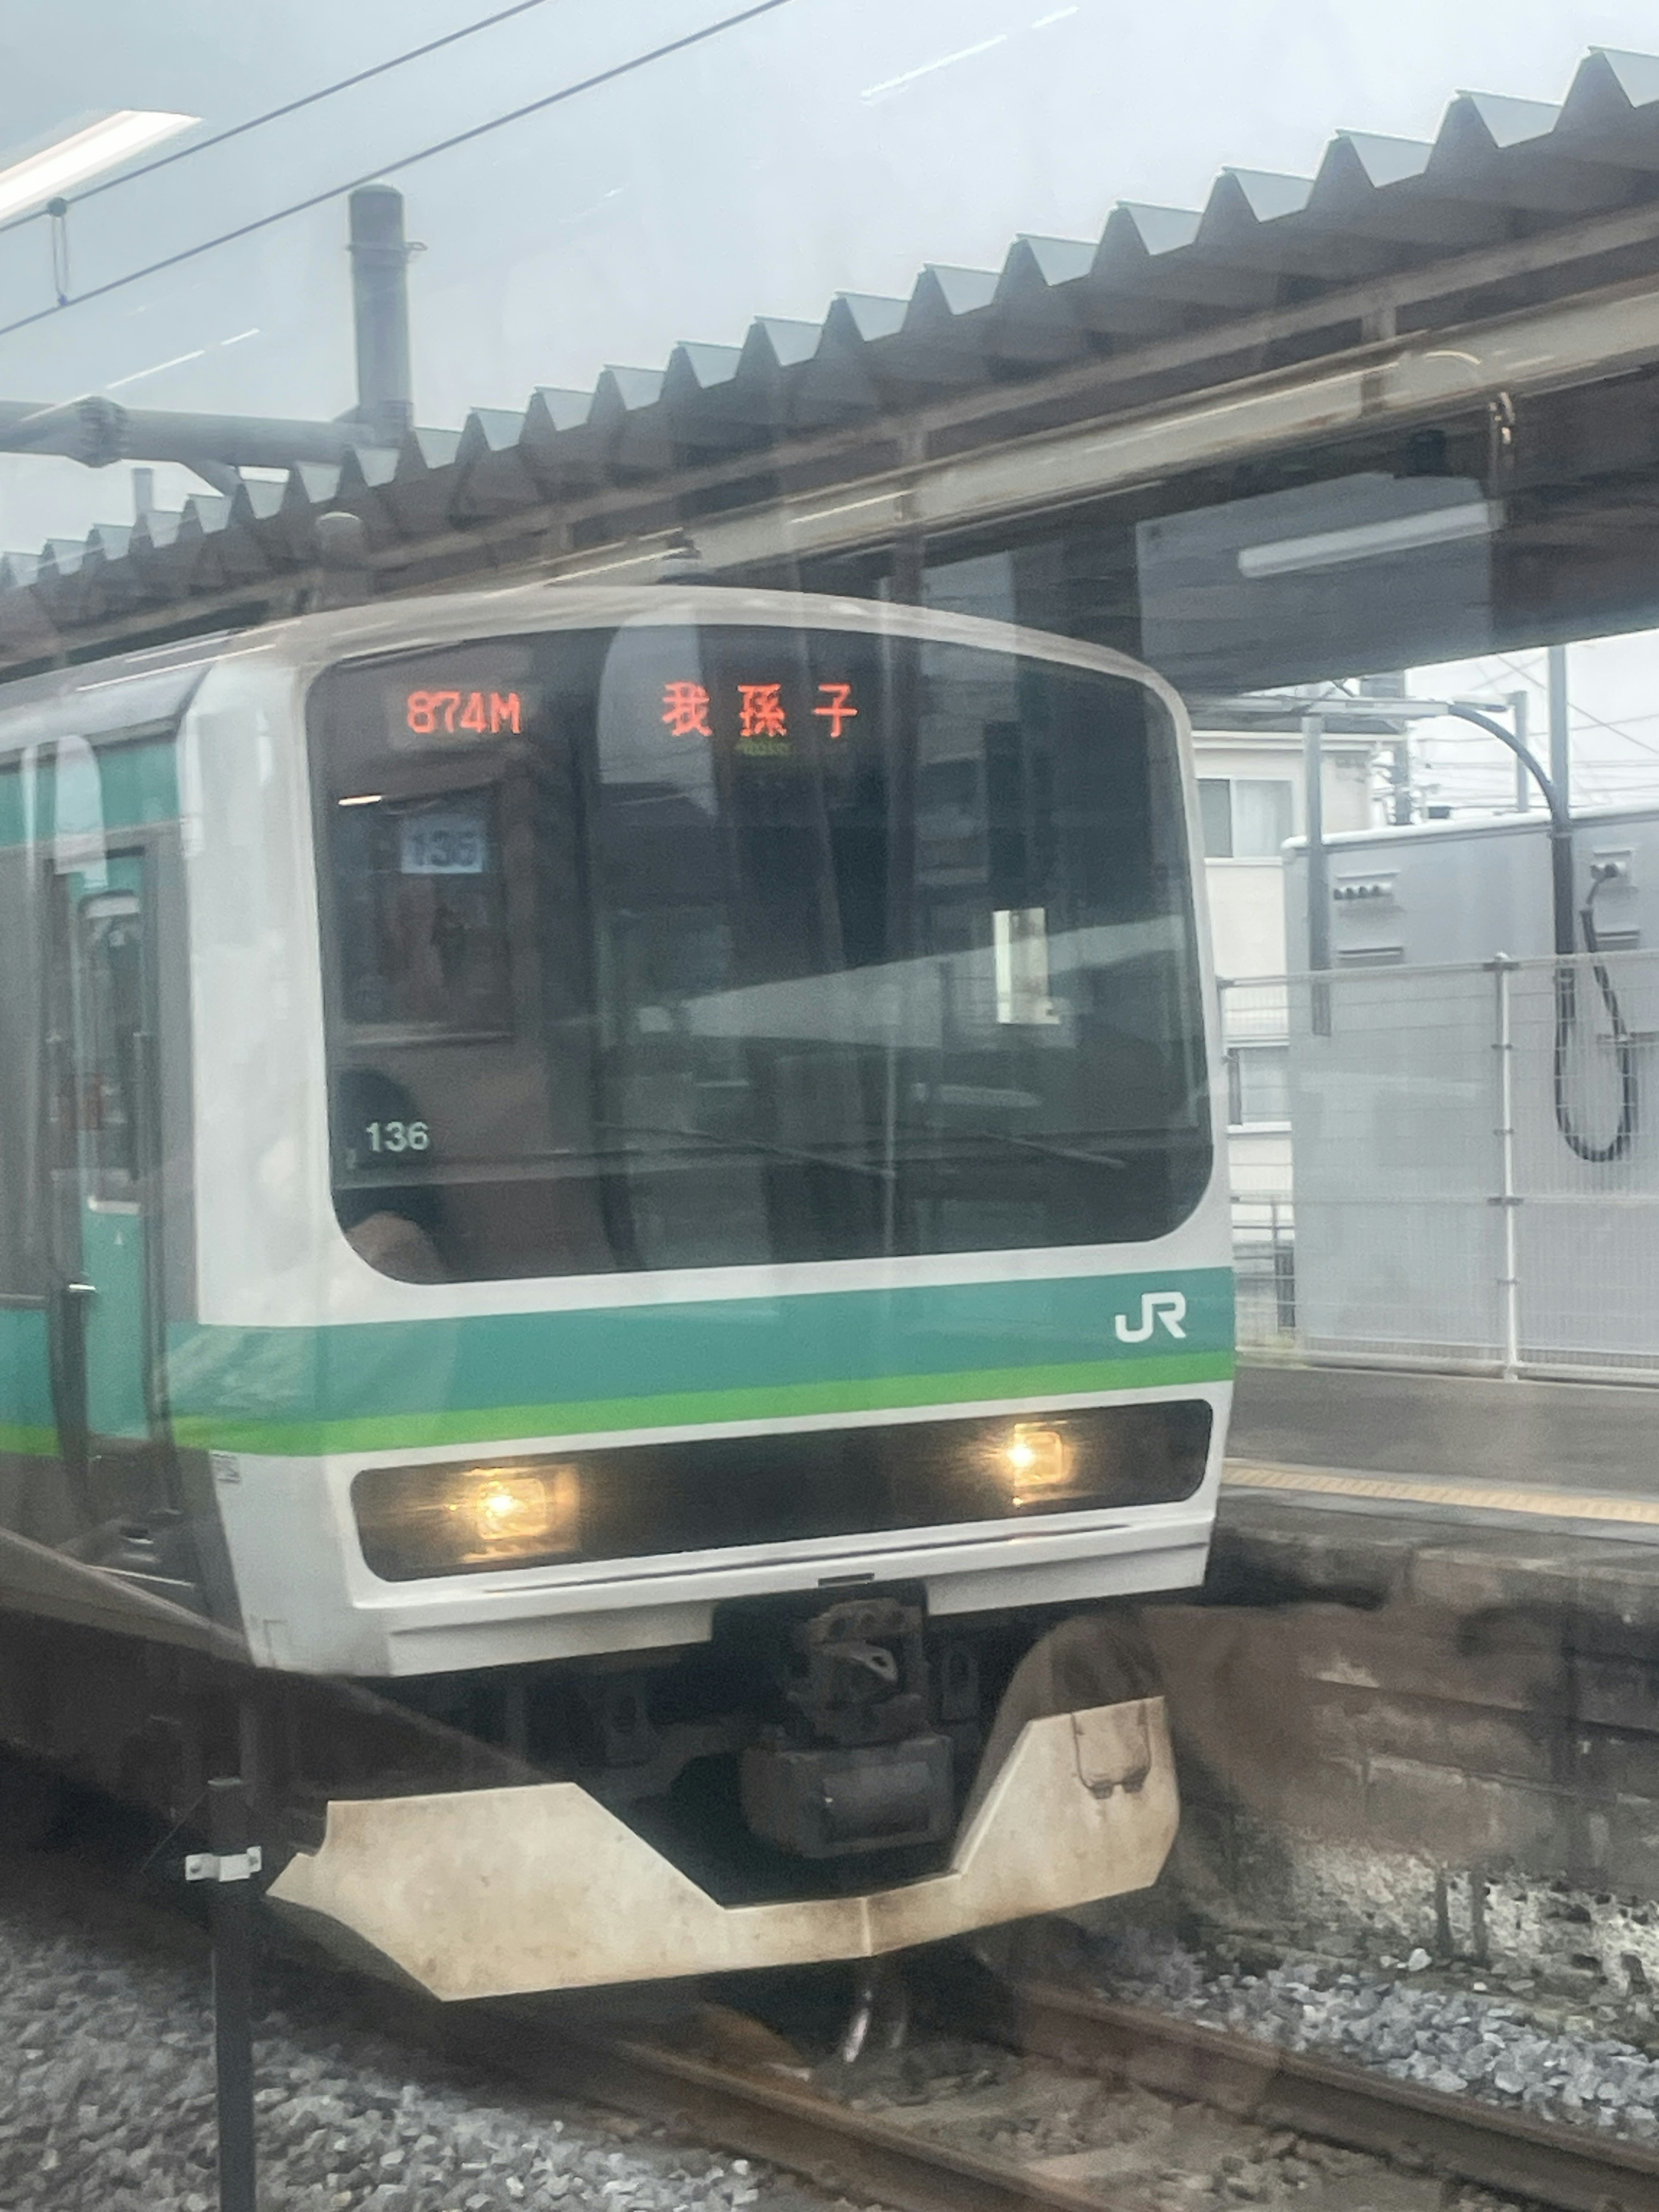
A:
(97, 432)
(1442, 373)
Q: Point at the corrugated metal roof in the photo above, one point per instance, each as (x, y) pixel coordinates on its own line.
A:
(808, 404)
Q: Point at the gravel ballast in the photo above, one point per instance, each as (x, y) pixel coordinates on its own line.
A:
(1417, 2024)
(106, 2092)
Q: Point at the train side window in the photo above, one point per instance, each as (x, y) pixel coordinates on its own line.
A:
(420, 915)
(112, 1022)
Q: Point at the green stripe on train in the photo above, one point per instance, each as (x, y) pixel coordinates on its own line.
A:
(391, 1385)
(421, 1432)
(387, 1385)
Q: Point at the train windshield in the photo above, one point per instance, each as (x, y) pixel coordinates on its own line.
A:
(693, 945)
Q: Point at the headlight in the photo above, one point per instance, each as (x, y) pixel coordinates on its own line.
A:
(707, 1494)
(1036, 1461)
(511, 1511)
(414, 1521)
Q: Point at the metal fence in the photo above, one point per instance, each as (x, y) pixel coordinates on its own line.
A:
(1468, 1170)
(1264, 1263)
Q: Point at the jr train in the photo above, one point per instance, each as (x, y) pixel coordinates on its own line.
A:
(613, 1262)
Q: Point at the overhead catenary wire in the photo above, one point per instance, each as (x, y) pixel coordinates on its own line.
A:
(258, 223)
(1609, 781)
(1581, 715)
(276, 114)
(1584, 714)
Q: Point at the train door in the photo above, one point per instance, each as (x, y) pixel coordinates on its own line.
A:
(107, 1369)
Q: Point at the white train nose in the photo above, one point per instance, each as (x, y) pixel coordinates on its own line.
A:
(504, 1892)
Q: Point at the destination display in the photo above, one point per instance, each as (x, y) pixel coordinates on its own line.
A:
(759, 716)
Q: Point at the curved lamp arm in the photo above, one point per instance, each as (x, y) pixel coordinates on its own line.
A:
(1561, 875)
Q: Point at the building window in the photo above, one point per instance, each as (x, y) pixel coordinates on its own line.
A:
(1244, 818)
(1215, 812)
(1258, 1084)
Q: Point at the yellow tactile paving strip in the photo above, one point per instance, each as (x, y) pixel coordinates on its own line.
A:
(1475, 1497)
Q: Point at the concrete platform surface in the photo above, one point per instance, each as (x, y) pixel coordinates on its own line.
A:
(1593, 1436)
(1361, 1486)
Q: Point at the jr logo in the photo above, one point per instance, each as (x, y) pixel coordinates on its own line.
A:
(1169, 1307)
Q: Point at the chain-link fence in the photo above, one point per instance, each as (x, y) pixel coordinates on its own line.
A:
(1467, 1170)
(1255, 1028)
(1264, 1262)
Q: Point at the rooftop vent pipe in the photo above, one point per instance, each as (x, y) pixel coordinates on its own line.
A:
(379, 299)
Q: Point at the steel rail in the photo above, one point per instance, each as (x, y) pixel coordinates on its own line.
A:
(767, 2116)
(1570, 2168)
(759, 2115)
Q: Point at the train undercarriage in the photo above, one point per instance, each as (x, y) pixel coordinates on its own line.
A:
(821, 1780)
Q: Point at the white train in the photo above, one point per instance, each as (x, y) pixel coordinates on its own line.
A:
(612, 1246)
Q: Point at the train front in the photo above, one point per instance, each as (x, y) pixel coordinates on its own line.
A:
(759, 1306)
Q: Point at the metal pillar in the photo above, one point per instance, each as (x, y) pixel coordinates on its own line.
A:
(1561, 736)
(906, 570)
(380, 302)
(1509, 1282)
(1522, 774)
(1400, 782)
(1313, 819)
(1319, 879)
(229, 1866)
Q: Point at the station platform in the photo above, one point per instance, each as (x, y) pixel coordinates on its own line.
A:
(1423, 1671)
(1362, 1484)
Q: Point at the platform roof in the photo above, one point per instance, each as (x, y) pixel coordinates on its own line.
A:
(1515, 207)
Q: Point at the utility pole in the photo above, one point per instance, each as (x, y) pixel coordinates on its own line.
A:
(1392, 685)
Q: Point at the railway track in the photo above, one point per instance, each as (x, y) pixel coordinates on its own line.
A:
(761, 2112)
(1488, 2145)
(937, 2152)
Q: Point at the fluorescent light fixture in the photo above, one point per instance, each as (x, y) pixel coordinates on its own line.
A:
(71, 161)
(1368, 541)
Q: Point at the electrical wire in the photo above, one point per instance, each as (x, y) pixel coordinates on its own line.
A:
(1624, 1045)
(1567, 1016)
(276, 114)
(403, 161)
(1613, 729)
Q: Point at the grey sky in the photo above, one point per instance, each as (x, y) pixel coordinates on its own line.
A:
(834, 145)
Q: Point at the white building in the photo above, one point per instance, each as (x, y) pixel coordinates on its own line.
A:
(1251, 801)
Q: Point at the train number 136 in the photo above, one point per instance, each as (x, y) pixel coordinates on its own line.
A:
(398, 1136)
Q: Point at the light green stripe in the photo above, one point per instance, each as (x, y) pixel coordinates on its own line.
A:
(25, 1442)
(415, 1432)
